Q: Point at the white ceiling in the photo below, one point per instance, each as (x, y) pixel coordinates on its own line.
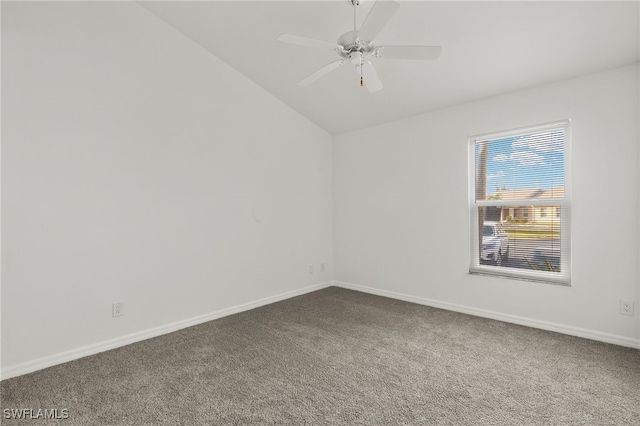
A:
(489, 48)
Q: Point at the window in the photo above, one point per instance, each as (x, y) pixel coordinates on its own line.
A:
(515, 179)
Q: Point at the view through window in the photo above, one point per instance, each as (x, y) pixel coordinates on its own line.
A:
(519, 203)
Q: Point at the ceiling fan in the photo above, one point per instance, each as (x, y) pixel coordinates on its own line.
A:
(358, 46)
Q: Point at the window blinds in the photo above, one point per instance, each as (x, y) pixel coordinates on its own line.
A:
(519, 180)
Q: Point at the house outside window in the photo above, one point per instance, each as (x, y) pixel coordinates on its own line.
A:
(516, 179)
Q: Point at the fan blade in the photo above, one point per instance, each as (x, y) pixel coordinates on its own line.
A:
(322, 72)
(308, 42)
(420, 53)
(377, 18)
(370, 77)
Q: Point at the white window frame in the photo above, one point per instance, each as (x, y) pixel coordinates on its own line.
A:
(563, 277)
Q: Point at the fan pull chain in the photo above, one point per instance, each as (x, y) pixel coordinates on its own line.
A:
(361, 79)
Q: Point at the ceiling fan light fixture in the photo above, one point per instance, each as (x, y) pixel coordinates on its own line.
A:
(355, 57)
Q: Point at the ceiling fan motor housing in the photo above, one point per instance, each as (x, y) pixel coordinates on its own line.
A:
(350, 44)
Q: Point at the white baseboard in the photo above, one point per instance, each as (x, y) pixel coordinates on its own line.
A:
(49, 361)
(59, 358)
(529, 322)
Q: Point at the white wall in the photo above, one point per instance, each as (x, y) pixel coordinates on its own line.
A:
(401, 215)
(137, 167)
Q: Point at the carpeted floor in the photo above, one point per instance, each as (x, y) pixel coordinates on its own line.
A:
(339, 357)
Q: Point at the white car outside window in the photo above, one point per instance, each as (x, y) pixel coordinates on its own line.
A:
(495, 243)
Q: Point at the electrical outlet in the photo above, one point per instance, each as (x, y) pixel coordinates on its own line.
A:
(626, 307)
(117, 309)
(310, 269)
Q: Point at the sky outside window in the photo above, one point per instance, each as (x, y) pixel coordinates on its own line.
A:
(529, 161)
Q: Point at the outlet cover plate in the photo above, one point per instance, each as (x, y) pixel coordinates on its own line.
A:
(117, 309)
(626, 307)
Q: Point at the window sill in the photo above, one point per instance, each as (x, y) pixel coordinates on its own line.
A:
(537, 277)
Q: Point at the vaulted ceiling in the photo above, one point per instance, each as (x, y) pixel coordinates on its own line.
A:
(489, 48)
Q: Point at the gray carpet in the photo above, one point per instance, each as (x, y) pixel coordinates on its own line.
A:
(339, 357)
